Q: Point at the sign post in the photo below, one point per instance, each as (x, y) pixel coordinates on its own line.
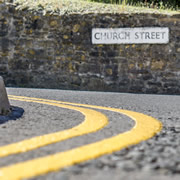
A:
(4, 102)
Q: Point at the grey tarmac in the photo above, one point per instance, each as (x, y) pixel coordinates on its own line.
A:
(155, 159)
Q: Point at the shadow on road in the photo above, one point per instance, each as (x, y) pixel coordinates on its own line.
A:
(16, 112)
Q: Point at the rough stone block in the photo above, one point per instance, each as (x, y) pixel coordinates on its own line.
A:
(4, 102)
(54, 51)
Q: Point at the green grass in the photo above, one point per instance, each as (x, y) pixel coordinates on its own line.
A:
(61, 7)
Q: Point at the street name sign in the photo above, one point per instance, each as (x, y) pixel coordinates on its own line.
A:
(142, 35)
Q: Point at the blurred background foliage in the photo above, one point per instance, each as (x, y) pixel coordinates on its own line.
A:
(160, 4)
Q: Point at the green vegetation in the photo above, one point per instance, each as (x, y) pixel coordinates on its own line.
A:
(158, 4)
(61, 7)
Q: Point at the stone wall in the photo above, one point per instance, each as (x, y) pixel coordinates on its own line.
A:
(56, 52)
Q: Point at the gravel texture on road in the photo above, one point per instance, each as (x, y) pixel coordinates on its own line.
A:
(155, 159)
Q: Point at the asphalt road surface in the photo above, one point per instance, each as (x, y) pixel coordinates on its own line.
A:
(157, 158)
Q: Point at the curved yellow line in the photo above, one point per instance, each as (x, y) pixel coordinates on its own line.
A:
(93, 121)
(145, 128)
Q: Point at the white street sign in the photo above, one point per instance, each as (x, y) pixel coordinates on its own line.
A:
(145, 35)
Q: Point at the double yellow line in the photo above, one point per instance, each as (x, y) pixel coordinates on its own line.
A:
(145, 127)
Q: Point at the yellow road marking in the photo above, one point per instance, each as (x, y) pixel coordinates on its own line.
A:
(145, 128)
(93, 121)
